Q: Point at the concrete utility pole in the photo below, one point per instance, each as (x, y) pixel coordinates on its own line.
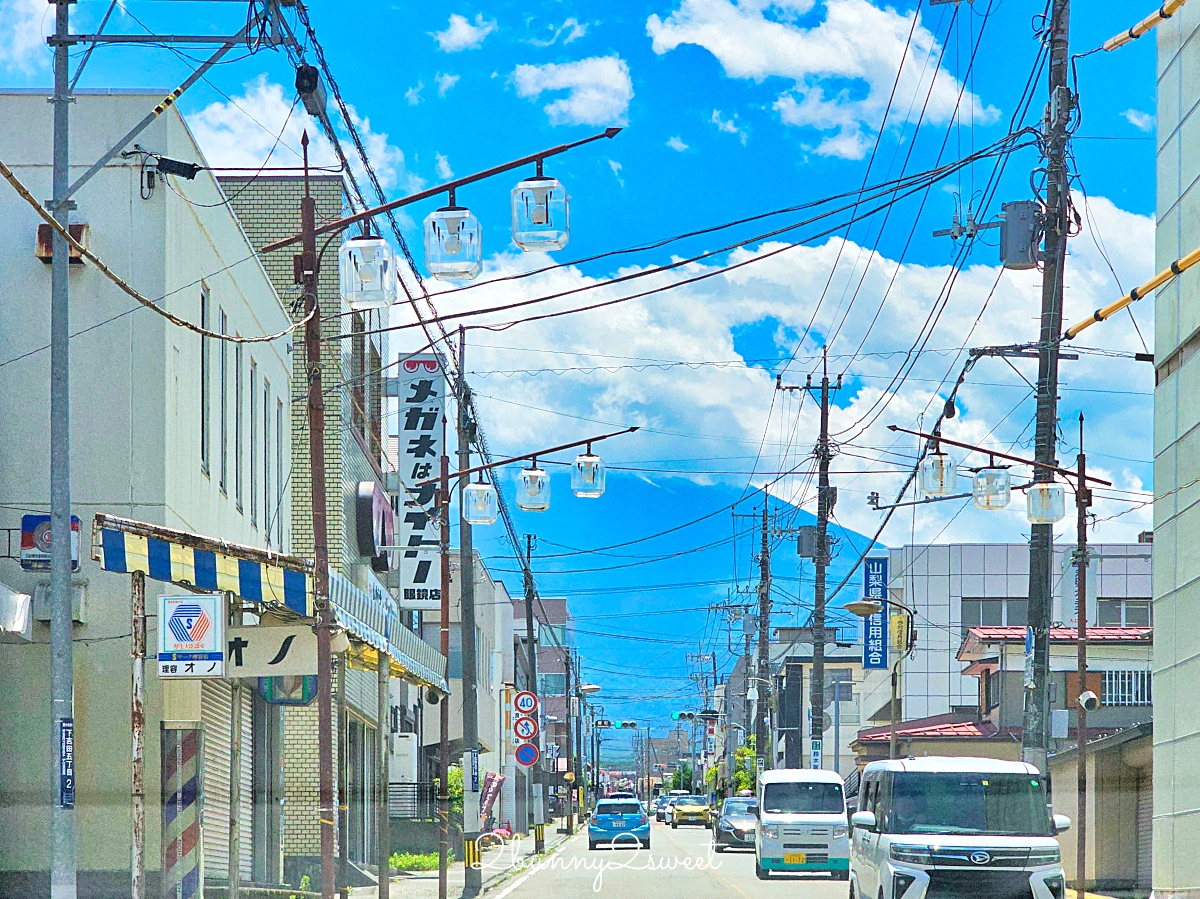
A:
(1083, 499)
(466, 566)
(531, 648)
(826, 499)
(444, 706)
(761, 738)
(570, 808)
(1041, 540)
(62, 653)
(320, 522)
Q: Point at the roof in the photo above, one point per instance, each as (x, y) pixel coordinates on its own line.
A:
(936, 765)
(977, 637)
(1141, 731)
(792, 775)
(951, 726)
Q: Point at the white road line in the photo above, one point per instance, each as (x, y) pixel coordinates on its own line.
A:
(521, 880)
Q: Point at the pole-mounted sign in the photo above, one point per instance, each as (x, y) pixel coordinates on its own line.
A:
(875, 654)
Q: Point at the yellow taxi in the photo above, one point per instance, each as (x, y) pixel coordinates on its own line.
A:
(691, 810)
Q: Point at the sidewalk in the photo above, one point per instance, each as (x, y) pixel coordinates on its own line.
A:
(498, 865)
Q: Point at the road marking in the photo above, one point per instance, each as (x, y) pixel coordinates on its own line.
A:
(553, 852)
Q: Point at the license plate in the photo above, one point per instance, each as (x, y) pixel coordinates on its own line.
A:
(794, 858)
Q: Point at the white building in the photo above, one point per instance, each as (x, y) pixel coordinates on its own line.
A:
(166, 429)
(955, 587)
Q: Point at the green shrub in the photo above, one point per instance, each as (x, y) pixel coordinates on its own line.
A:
(416, 861)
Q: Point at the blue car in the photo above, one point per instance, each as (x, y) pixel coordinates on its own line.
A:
(618, 823)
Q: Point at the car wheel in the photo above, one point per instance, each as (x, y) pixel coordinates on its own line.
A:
(761, 873)
(717, 847)
(674, 825)
(646, 845)
(591, 845)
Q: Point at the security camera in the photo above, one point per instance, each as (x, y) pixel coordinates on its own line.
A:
(1089, 701)
(433, 697)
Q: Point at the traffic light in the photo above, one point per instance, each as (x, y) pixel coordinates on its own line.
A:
(626, 725)
(683, 716)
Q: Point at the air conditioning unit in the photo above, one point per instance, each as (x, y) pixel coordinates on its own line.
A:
(41, 602)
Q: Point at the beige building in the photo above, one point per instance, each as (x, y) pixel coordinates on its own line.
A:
(1176, 451)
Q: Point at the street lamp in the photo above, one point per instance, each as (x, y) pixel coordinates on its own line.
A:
(938, 475)
(534, 493)
(367, 273)
(589, 689)
(480, 505)
(1045, 503)
(865, 608)
(991, 489)
(540, 214)
(587, 475)
(453, 243)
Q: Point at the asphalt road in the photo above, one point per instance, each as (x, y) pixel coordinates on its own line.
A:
(678, 865)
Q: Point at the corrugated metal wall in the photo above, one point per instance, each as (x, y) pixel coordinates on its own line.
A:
(362, 692)
(216, 700)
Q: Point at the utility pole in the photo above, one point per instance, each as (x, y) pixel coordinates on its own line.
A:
(761, 739)
(826, 499)
(444, 705)
(1083, 499)
(473, 882)
(570, 809)
(531, 648)
(62, 658)
(1041, 540)
(320, 521)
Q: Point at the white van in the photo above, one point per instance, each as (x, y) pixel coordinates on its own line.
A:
(954, 827)
(802, 824)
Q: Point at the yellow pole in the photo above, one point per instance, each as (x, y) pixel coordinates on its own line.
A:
(1176, 268)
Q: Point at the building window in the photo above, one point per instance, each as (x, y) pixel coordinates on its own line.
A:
(994, 613)
(237, 426)
(205, 388)
(1125, 688)
(266, 483)
(279, 478)
(374, 381)
(358, 380)
(992, 686)
(253, 443)
(552, 634)
(223, 374)
(1123, 612)
(552, 684)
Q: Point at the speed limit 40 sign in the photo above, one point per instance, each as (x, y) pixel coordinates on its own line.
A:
(525, 702)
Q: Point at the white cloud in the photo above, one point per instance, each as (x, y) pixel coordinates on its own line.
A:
(228, 136)
(570, 30)
(445, 82)
(1142, 121)
(842, 69)
(460, 34)
(616, 170)
(721, 411)
(442, 167)
(677, 144)
(24, 25)
(729, 126)
(599, 89)
(413, 94)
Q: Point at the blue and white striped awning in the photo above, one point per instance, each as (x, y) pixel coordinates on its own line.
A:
(256, 575)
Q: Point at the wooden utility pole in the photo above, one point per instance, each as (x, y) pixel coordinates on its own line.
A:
(320, 523)
(1083, 499)
(1041, 540)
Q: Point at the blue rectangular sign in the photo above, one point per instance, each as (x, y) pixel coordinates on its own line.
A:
(875, 642)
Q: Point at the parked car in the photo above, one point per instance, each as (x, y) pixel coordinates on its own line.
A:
(735, 824)
(802, 824)
(619, 823)
(958, 827)
(690, 810)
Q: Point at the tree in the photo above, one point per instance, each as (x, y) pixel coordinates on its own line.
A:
(682, 778)
(745, 768)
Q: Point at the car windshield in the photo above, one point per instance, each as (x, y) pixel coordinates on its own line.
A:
(994, 804)
(802, 798)
(738, 807)
(618, 808)
(692, 800)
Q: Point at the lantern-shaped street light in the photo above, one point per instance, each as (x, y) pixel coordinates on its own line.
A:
(587, 475)
(938, 475)
(480, 505)
(1045, 504)
(367, 273)
(991, 489)
(540, 214)
(453, 243)
(533, 495)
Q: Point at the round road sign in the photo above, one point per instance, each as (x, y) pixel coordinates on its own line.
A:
(525, 728)
(527, 754)
(525, 702)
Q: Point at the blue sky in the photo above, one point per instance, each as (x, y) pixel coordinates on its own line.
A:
(729, 110)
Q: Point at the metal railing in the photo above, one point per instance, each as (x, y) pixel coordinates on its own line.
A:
(413, 801)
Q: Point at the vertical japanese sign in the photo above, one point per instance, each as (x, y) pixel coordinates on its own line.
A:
(875, 575)
(66, 763)
(422, 397)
